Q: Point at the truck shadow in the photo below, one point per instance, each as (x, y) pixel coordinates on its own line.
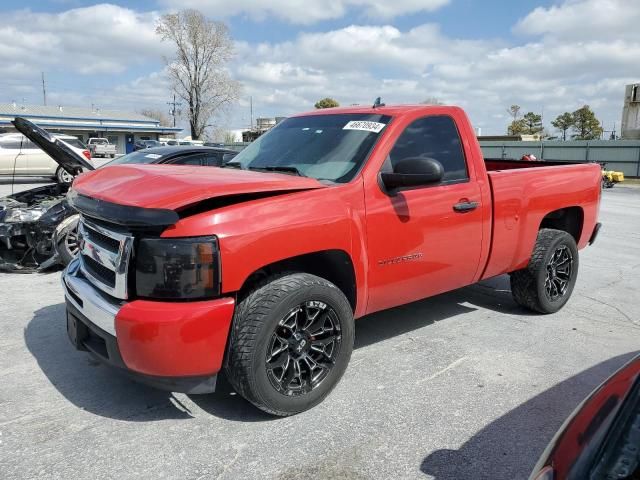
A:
(509, 447)
(104, 391)
(492, 294)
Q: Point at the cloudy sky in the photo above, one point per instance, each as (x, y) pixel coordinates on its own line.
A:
(547, 56)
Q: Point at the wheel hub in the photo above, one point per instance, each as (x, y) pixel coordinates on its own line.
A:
(303, 348)
(559, 273)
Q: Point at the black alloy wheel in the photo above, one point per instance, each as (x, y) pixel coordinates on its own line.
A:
(303, 348)
(547, 282)
(290, 342)
(559, 270)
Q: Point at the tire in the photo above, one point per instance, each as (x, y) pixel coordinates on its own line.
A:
(62, 176)
(268, 315)
(66, 242)
(546, 284)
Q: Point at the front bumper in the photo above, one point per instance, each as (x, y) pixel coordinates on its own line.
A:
(177, 346)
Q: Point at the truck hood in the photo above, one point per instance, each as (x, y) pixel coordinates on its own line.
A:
(176, 187)
(59, 151)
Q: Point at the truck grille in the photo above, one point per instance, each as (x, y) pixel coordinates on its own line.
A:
(104, 253)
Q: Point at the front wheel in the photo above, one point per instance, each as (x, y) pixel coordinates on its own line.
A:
(62, 176)
(547, 282)
(290, 343)
(66, 240)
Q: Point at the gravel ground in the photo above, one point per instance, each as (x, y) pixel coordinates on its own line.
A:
(465, 385)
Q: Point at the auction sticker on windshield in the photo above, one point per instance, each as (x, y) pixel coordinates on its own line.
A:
(374, 127)
(153, 156)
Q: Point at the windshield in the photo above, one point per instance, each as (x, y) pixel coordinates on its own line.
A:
(74, 142)
(140, 156)
(325, 147)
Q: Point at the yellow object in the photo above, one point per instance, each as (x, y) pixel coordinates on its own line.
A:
(613, 176)
(617, 177)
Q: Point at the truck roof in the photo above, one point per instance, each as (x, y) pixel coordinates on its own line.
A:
(384, 110)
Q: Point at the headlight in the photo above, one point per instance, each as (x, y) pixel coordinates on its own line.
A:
(18, 215)
(178, 268)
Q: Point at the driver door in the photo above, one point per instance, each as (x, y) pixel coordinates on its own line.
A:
(424, 240)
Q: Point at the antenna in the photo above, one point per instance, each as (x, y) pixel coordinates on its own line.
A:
(44, 91)
(378, 103)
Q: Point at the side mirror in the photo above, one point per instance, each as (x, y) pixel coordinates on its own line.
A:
(413, 172)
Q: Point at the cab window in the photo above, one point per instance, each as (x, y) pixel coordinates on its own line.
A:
(433, 137)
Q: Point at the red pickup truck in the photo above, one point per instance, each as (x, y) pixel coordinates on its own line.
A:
(260, 267)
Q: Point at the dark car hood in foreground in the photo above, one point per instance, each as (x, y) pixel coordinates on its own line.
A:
(175, 187)
(59, 151)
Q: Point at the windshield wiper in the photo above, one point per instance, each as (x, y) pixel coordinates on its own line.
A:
(279, 168)
(232, 164)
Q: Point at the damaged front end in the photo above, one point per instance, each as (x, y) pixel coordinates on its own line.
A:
(31, 223)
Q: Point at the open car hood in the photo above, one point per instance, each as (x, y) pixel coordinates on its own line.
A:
(176, 187)
(62, 153)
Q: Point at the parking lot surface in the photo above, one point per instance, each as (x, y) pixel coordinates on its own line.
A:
(465, 385)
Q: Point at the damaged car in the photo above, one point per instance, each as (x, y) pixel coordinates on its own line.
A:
(38, 228)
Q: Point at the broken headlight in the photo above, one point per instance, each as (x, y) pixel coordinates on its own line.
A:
(21, 215)
(178, 268)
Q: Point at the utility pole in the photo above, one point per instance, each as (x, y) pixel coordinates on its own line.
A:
(251, 109)
(173, 110)
(44, 91)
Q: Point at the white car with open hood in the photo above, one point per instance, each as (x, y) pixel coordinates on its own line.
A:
(20, 156)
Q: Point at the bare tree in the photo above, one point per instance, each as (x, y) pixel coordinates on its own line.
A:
(197, 72)
(159, 115)
(514, 112)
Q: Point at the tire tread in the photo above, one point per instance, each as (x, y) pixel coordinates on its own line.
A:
(248, 319)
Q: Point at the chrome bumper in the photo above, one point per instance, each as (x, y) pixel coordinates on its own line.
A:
(91, 303)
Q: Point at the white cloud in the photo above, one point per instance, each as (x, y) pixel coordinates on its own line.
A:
(359, 62)
(305, 11)
(561, 59)
(584, 19)
(98, 39)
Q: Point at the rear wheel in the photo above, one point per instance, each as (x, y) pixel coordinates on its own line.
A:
(290, 343)
(547, 283)
(62, 176)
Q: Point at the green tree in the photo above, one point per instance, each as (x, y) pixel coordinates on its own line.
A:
(517, 127)
(563, 122)
(585, 124)
(327, 103)
(533, 123)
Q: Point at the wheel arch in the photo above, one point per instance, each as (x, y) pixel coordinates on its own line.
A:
(335, 266)
(567, 219)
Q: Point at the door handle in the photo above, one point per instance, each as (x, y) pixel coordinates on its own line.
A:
(464, 207)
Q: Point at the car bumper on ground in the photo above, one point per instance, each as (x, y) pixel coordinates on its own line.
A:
(177, 346)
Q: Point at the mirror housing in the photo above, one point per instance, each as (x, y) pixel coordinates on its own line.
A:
(413, 172)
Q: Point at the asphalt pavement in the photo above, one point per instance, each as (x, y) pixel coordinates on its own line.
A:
(465, 385)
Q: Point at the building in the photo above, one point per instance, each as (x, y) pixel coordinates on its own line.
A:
(262, 125)
(631, 113)
(121, 128)
(511, 138)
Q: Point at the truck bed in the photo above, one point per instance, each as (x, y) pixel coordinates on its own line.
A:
(524, 193)
(496, 164)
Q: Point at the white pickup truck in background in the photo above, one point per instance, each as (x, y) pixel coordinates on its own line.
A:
(100, 147)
